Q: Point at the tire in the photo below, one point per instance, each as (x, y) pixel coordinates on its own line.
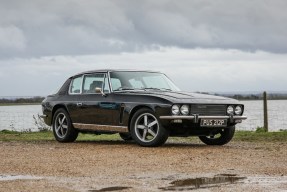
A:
(146, 129)
(126, 136)
(224, 136)
(63, 129)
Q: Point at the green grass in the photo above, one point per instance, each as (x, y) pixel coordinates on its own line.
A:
(249, 136)
(261, 136)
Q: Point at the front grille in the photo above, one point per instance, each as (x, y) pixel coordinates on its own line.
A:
(208, 110)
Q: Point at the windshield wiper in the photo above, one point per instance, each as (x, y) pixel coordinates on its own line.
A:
(160, 89)
(123, 89)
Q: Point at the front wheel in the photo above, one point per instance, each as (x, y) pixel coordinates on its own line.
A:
(62, 127)
(221, 137)
(146, 129)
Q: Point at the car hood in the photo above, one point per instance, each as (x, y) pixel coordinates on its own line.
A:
(187, 97)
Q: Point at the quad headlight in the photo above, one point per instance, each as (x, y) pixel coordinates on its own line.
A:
(230, 110)
(238, 110)
(175, 109)
(184, 110)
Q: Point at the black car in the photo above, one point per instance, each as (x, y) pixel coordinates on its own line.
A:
(143, 106)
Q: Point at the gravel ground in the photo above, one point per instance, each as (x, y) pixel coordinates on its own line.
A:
(124, 166)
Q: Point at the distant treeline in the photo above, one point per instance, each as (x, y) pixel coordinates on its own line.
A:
(259, 97)
(271, 96)
(22, 100)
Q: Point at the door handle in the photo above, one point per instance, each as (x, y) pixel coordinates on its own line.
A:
(79, 104)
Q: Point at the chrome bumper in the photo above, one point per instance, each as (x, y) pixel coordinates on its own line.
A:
(195, 118)
(43, 116)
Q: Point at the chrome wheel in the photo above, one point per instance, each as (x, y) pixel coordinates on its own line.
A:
(61, 125)
(146, 127)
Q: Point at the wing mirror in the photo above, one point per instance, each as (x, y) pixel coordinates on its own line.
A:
(99, 90)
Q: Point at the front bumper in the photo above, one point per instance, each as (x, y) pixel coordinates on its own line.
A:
(195, 118)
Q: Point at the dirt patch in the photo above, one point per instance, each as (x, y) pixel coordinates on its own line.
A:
(122, 166)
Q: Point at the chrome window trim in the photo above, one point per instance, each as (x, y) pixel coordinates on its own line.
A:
(110, 82)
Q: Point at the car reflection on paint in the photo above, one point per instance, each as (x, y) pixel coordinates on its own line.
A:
(143, 106)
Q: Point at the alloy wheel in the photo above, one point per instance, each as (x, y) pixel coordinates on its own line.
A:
(61, 125)
(146, 127)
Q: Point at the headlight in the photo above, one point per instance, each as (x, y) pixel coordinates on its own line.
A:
(175, 109)
(230, 110)
(238, 110)
(184, 110)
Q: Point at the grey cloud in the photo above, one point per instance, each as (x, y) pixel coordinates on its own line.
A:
(72, 27)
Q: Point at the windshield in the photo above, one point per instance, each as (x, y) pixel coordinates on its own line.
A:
(130, 80)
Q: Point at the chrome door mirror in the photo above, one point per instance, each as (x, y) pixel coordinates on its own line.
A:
(99, 90)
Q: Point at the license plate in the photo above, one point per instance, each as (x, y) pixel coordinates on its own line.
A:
(213, 122)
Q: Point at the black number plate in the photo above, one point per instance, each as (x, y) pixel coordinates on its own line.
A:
(213, 122)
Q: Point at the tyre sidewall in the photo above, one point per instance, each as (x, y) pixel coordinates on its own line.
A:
(224, 139)
(72, 133)
(126, 136)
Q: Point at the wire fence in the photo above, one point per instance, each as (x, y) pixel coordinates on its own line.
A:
(25, 117)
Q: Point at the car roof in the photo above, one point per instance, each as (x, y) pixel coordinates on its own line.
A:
(112, 70)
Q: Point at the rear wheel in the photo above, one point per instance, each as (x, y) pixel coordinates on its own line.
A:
(221, 137)
(62, 127)
(146, 129)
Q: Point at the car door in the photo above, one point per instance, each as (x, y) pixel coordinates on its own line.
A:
(96, 108)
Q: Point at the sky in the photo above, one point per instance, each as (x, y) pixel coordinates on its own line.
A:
(202, 45)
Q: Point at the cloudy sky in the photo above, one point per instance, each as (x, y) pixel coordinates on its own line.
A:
(203, 45)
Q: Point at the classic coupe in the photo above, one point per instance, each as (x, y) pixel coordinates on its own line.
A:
(144, 106)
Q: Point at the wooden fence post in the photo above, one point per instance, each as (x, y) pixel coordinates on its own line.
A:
(265, 111)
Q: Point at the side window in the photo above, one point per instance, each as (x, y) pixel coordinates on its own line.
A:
(93, 81)
(76, 84)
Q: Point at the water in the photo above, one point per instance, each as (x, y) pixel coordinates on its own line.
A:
(277, 115)
(20, 117)
(202, 182)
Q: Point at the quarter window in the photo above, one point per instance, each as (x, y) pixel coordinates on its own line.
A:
(76, 85)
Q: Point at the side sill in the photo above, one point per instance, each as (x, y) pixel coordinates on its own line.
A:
(95, 127)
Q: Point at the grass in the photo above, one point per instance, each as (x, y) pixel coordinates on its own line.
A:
(259, 136)
(6, 135)
(249, 136)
